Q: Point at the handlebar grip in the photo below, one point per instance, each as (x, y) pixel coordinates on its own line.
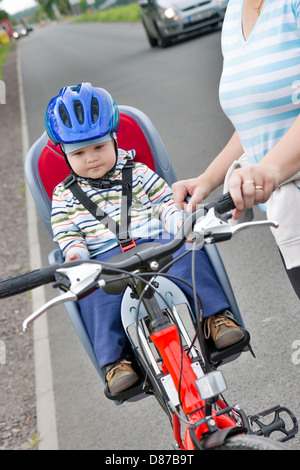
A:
(222, 204)
(26, 281)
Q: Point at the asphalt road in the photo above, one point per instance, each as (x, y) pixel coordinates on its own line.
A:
(178, 89)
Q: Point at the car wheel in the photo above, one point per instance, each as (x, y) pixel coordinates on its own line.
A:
(152, 41)
(163, 41)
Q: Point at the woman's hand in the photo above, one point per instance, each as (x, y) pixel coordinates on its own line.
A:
(250, 186)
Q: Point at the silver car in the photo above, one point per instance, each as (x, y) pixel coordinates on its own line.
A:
(165, 20)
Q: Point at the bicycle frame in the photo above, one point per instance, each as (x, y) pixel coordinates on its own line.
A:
(179, 366)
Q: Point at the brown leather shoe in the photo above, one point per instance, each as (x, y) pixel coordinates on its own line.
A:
(223, 329)
(120, 376)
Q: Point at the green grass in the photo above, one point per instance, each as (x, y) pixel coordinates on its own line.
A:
(121, 13)
(4, 50)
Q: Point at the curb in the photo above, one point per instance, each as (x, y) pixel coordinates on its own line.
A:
(45, 402)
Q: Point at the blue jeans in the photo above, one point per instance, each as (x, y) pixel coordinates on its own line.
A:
(101, 312)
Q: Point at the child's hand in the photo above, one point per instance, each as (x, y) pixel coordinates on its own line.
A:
(72, 257)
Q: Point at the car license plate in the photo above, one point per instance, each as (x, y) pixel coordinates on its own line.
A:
(200, 16)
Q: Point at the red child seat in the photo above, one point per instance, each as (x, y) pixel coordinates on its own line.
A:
(53, 168)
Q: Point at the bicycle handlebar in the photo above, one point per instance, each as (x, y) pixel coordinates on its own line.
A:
(26, 281)
(33, 279)
(221, 205)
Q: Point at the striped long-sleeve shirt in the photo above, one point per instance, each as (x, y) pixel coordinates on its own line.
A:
(152, 211)
(260, 83)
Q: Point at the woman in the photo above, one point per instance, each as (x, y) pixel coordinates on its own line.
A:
(258, 92)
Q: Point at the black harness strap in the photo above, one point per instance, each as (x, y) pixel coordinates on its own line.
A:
(121, 231)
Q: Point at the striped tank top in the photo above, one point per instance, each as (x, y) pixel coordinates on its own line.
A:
(260, 83)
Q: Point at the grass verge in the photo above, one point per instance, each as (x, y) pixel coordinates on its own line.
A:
(129, 12)
(4, 50)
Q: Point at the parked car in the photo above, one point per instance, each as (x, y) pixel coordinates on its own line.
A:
(165, 20)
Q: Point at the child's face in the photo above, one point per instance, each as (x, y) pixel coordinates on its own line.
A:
(93, 161)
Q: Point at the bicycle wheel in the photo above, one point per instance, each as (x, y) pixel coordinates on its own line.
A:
(251, 442)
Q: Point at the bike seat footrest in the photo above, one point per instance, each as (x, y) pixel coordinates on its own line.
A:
(138, 389)
(219, 356)
(278, 423)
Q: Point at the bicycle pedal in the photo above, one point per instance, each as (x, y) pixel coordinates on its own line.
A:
(278, 424)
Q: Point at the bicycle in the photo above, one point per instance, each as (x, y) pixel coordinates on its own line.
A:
(175, 366)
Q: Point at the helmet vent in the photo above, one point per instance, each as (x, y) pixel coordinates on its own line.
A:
(78, 108)
(76, 88)
(64, 115)
(95, 109)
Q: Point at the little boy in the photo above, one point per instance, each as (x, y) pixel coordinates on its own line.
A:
(84, 120)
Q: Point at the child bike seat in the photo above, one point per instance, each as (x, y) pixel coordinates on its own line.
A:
(45, 167)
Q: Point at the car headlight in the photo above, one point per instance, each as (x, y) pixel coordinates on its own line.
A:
(15, 35)
(168, 13)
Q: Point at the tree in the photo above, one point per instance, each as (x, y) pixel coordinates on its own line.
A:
(3, 15)
(62, 5)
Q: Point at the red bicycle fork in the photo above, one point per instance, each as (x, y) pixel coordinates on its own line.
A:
(179, 366)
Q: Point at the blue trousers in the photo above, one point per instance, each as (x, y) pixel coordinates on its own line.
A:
(101, 312)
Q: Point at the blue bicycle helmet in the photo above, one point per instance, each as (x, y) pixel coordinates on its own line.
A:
(81, 113)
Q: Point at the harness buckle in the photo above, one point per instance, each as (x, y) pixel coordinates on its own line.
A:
(130, 243)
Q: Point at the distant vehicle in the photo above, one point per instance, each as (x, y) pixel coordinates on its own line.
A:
(19, 32)
(165, 20)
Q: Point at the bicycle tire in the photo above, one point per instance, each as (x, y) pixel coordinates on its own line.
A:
(251, 442)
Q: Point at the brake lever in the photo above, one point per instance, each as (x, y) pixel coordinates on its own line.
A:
(259, 223)
(216, 229)
(81, 277)
(67, 297)
(83, 280)
(211, 227)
